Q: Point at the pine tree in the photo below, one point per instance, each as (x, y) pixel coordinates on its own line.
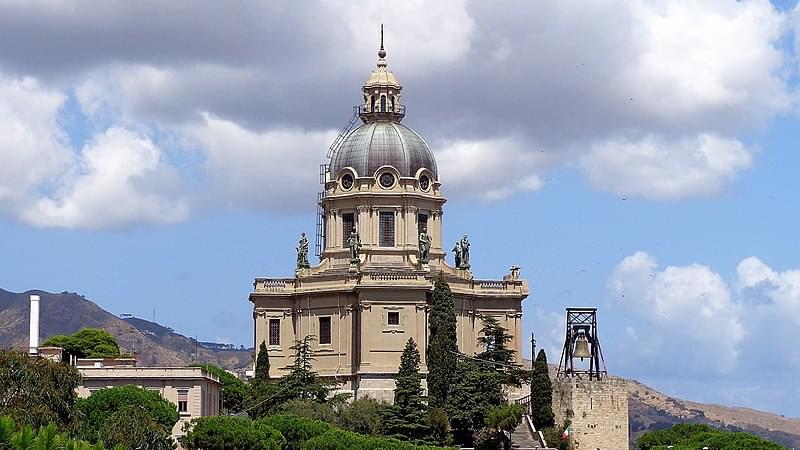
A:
(495, 340)
(262, 363)
(541, 394)
(408, 416)
(442, 347)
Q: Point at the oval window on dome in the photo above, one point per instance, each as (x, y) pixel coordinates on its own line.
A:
(347, 182)
(386, 180)
(424, 182)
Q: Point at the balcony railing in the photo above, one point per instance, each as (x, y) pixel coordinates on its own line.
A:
(274, 284)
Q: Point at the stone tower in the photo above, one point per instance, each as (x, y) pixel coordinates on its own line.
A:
(595, 405)
(380, 248)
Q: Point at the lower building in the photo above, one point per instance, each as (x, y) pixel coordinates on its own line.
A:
(195, 392)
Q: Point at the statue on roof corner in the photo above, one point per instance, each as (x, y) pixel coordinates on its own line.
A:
(461, 251)
(302, 252)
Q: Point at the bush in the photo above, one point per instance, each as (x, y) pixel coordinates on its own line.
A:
(231, 433)
(96, 410)
(46, 437)
(132, 428)
(311, 409)
(693, 436)
(338, 439)
(296, 430)
(363, 416)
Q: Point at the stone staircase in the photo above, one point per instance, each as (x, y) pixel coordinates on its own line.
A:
(525, 436)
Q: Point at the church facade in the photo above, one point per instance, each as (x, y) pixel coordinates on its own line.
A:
(381, 250)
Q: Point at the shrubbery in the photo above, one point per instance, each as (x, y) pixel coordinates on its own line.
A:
(231, 433)
(692, 436)
(45, 438)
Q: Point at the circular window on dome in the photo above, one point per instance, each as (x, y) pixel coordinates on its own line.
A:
(386, 180)
(424, 182)
(347, 182)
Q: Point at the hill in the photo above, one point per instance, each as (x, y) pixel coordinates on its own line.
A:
(158, 345)
(68, 312)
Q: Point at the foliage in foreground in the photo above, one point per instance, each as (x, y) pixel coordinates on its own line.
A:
(231, 433)
(112, 407)
(86, 343)
(442, 345)
(692, 436)
(541, 394)
(45, 438)
(38, 392)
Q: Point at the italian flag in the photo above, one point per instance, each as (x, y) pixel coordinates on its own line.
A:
(566, 433)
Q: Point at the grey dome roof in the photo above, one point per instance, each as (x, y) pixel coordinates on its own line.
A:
(377, 144)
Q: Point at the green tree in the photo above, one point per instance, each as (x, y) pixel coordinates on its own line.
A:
(302, 382)
(692, 436)
(133, 428)
(363, 416)
(311, 409)
(97, 409)
(262, 363)
(234, 391)
(408, 416)
(86, 343)
(442, 347)
(499, 421)
(495, 341)
(45, 438)
(296, 430)
(541, 394)
(475, 390)
(231, 433)
(38, 392)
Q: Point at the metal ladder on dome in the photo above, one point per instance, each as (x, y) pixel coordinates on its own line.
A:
(338, 141)
(323, 172)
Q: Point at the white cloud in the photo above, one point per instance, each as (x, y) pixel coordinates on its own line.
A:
(32, 146)
(691, 305)
(490, 169)
(120, 178)
(655, 167)
(268, 170)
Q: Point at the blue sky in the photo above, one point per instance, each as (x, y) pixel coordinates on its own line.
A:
(637, 156)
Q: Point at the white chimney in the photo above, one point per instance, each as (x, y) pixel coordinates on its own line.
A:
(34, 344)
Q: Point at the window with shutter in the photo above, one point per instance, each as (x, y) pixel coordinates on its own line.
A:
(324, 330)
(183, 400)
(348, 220)
(386, 226)
(274, 331)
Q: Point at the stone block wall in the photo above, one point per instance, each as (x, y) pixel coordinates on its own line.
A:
(598, 411)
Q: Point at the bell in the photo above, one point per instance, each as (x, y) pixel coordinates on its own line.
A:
(581, 349)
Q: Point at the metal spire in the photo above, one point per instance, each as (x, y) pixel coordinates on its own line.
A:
(381, 52)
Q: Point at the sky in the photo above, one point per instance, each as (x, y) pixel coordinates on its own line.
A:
(638, 156)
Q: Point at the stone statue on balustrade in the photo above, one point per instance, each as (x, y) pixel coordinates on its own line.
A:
(461, 251)
(354, 242)
(424, 246)
(302, 253)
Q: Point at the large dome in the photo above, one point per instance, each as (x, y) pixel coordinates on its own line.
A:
(377, 144)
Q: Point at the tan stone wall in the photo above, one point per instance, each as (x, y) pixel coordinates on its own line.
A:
(598, 411)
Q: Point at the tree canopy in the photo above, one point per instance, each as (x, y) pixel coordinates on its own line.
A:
(231, 433)
(442, 347)
(133, 428)
(408, 416)
(262, 363)
(693, 436)
(38, 392)
(86, 343)
(97, 410)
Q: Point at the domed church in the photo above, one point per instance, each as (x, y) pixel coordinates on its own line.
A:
(380, 249)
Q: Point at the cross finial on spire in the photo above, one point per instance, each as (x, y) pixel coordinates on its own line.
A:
(381, 52)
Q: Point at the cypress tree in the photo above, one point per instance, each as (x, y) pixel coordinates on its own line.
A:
(541, 394)
(408, 416)
(262, 363)
(441, 356)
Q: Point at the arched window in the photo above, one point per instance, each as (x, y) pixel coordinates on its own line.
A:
(383, 103)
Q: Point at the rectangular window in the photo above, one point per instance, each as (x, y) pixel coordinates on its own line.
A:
(422, 223)
(386, 225)
(348, 221)
(324, 330)
(274, 331)
(183, 400)
(394, 318)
